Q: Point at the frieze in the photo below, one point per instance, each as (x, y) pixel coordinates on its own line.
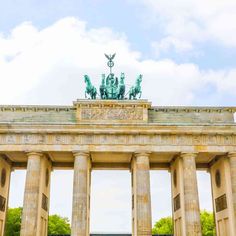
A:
(112, 114)
(115, 111)
(123, 139)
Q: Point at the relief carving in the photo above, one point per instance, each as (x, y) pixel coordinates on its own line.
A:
(27, 138)
(41, 139)
(10, 139)
(112, 114)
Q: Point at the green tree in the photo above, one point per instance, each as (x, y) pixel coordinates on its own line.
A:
(208, 223)
(13, 221)
(58, 225)
(165, 225)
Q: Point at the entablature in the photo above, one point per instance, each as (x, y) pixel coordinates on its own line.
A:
(116, 111)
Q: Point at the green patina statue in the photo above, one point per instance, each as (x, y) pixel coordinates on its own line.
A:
(136, 89)
(121, 94)
(90, 89)
(111, 87)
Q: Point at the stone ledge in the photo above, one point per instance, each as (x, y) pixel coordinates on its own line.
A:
(35, 108)
(187, 109)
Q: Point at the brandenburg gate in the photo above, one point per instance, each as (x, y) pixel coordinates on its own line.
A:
(128, 134)
(112, 134)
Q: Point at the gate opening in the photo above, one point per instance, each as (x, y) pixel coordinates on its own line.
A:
(17, 187)
(111, 206)
(160, 181)
(205, 196)
(61, 193)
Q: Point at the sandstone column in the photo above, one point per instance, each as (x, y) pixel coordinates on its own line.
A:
(5, 173)
(192, 210)
(81, 194)
(222, 178)
(36, 197)
(186, 210)
(141, 197)
(232, 162)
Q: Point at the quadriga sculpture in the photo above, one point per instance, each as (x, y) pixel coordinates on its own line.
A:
(112, 87)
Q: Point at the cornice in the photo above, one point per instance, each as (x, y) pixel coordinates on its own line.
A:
(46, 108)
(188, 109)
(35, 108)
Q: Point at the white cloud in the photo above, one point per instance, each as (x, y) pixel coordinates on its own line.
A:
(47, 66)
(195, 21)
(167, 43)
(223, 80)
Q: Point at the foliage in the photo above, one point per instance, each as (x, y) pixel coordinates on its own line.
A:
(56, 224)
(207, 222)
(13, 221)
(165, 225)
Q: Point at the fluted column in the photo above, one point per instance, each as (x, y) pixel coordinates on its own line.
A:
(5, 173)
(36, 197)
(191, 200)
(81, 194)
(232, 162)
(186, 211)
(141, 199)
(31, 196)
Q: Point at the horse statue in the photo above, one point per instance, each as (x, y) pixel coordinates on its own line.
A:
(103, 90)
(136, 89)
(90, 89)
(121, 90)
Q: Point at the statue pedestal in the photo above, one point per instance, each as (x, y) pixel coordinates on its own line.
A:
(112, 111)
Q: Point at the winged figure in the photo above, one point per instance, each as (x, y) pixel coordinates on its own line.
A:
(110, 57)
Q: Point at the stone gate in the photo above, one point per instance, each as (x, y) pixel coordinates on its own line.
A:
(113, 134)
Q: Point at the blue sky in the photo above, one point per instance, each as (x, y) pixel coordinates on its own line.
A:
(185, 49)
(133, 18)
(196, 39)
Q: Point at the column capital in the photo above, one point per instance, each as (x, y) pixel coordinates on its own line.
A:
(34, 153)
(142, 153)
(188, 154)
(231, 154)
(81, 153)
